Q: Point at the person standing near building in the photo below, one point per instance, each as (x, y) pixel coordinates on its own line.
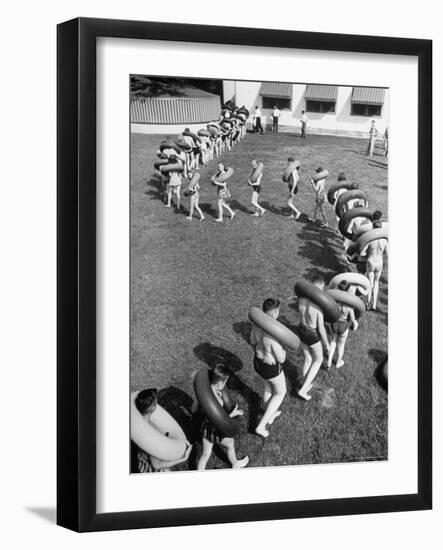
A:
(275, 116)
(386, 141)
(257, 117)
(372, 137)
(303, 122)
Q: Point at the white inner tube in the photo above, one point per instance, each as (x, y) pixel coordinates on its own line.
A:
(150, 436)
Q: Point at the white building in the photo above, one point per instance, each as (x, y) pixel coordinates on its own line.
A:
(338, 110)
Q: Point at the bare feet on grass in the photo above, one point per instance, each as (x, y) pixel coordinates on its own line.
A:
(262, 432)
(241, 463)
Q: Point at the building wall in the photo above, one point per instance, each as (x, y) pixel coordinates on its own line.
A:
(341, 122)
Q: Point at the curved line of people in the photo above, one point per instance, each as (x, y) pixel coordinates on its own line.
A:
(188, 151)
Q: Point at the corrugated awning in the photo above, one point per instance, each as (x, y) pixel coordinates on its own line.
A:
(368, 96)
(276, 89)
(321, 92)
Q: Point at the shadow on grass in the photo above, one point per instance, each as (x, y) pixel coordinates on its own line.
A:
(243, 328)
(211, 355)
(282, 211)
(378, 164)
(235, 205)
(320, 247)
(155, 190)
(208, 209)
(380, 371)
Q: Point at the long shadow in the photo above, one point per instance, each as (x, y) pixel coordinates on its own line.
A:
(155, 189)
(380, 374)
(282, 211)
(211, 355)
(378, 164)
(322, 248)
(208, 209)
(244, 329)
(235, 205)
(383, 187)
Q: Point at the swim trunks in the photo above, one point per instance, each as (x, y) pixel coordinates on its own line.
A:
(256, 188)
(309, 336)
(265, 370)
(209, 431)
(340, 327)
(374, 266)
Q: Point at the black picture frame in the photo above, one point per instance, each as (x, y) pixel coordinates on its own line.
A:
(76, 265)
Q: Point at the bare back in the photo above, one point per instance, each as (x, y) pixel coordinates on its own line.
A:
(266, 348)
(309, 312)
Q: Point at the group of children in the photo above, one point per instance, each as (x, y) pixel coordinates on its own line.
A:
(269, 355)
(268, 360)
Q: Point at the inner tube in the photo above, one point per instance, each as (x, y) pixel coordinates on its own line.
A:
(216, 414)
(170, 145)
(256, 172)
(366, 238)
(149, 436)
(274, 328)
(183, 145)
(337, 186)
(228, 121)
(352, 278)
(175, 167)
(214, 131)
(348, 299)
(365, 226)
(194, 180)
(346, 219)
(223, 177)
(195, 137)
(320, 175)
(322, 299)
(204, 132)
(160, 162)
(242, 116)
(289, 169)
(345, 198)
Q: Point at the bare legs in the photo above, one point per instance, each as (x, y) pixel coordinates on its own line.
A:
(176, 191)
(273, 395)
(227, 444)
(222, 204)
(295, 212)
(259, 210)
(313, 360)
(374, 279)
(194, 204)
(314, 215)
(338, 342)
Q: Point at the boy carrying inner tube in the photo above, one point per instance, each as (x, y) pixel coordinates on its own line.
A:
(340, 329)
(312, 334)
(146, 402)
(268, 359)
(218, 376)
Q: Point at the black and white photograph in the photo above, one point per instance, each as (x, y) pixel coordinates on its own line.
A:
(258, 273)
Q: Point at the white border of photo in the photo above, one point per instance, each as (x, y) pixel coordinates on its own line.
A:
(117, 490)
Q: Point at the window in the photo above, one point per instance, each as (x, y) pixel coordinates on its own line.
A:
(313, 106)
(362, 109)
(280, 102)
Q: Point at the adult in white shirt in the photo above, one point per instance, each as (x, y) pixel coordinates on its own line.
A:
(257, 116)
(275, 116)
(303, 122)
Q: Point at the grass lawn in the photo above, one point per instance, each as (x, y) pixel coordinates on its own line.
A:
(192, 284)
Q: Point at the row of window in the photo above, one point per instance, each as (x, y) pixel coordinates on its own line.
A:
(314, 106)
